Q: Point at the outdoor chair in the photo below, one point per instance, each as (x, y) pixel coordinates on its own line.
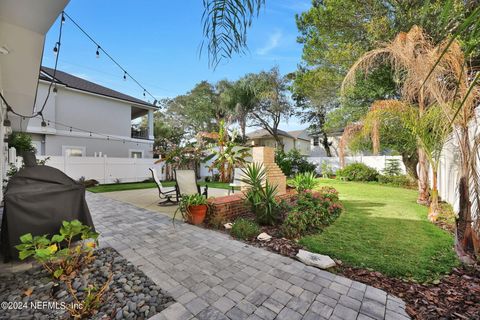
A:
(238, 175)
(164, 194)
(187, 183)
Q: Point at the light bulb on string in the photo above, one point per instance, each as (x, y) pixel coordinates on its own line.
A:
(125, 76)
(144, 92)
(55, 49)
(55, 90)
(98, 52)
(63, 18)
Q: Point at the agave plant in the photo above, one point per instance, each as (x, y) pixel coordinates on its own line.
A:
(305, 181)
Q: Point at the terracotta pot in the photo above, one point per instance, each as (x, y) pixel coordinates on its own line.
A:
(197, 214)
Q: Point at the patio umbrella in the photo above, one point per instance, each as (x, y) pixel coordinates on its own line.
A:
(37, 199)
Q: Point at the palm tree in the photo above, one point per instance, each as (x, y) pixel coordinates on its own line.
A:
(412, 56)
(225, 24)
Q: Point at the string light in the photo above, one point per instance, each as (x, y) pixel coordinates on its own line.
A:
(70, 129)
(144, 92)
(63, 18)
(55, 49)
(99, 48)
(55, 89)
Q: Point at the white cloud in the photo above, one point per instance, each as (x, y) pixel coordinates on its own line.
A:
(272, 43)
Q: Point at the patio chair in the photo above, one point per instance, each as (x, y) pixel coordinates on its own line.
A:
(187, 183)
(163, 193)
(238, 175)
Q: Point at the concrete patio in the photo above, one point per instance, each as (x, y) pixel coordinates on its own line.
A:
(148, 199)
(212, 276)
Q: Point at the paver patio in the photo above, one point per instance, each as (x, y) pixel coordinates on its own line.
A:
(212, 276)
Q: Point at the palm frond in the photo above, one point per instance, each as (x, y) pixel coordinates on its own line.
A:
(225, 24)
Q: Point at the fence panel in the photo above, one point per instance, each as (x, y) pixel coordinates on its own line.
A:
(377, 162)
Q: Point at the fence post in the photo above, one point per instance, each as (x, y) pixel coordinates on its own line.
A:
(105, 168)
(65, 159)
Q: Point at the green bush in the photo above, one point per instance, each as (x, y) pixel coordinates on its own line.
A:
(305, 181)
(245, 229)
(293, 162)
(21, 142)
(357, 172)
(261, 196)
(312, 213)
(327, 171)
(396, 180)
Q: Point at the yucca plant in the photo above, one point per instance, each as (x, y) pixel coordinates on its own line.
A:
(305, 181)
(261, 195)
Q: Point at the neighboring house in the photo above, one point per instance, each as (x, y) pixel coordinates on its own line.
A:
(317, 149)
(87, 119)
(298, 139)
(23, 26)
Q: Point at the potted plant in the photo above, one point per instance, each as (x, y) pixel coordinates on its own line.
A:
(193, 208)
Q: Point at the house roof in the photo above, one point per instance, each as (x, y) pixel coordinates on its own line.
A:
(295, 134)
(74, 82)
(262, 133)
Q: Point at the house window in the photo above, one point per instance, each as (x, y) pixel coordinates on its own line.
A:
(136, 153)
(316, 141)
(73, 151)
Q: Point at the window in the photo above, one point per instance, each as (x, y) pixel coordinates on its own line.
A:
(136, 153)
(316, 141)
(73, 151)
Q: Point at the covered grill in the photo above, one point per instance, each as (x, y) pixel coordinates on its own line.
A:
(37, 199)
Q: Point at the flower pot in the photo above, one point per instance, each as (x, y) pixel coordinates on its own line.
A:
(197, 214)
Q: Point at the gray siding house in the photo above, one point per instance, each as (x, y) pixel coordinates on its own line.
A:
(85, 119)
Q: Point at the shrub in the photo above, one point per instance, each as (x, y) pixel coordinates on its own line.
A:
(305, 181)
(21, 142)
(245, 229)
(293, 162)
(327, 171)
(392, 168)
(358, 172)
(396, 180)
(261, 196)
(59, 255)
(312, 213)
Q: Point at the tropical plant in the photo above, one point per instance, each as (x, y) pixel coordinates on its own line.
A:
(225, 24)
(261, 195)
(305, 181)
(60, 255)
(245, 229)
(327, 171)
(188, 201)
(412, 56)
(227, 154)
(357, 172)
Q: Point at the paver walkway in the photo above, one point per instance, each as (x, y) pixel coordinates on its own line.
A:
(212, 276)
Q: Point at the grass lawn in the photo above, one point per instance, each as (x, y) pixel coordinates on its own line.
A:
(383, 228)
(147, 185)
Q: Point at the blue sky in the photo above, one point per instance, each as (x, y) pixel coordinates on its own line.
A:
(158, 43)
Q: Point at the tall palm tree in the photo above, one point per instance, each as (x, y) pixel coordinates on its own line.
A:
(225, 24)
(412, 56)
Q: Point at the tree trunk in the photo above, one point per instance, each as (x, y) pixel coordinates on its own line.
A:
(326, 144)
(423, 194)
(433, 210)
(280, 145)
(411, 161)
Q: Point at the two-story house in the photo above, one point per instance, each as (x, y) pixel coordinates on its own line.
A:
(297, 139)
(83, 118)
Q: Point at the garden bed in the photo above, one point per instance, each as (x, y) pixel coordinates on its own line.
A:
(129, 295)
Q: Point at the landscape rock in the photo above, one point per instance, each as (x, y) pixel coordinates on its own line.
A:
(264, 237)
(315, 259)
(228, 225)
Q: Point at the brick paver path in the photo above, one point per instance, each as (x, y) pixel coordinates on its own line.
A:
(212, 276)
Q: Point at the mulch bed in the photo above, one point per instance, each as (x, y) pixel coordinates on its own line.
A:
(130, 294)
(455, 296)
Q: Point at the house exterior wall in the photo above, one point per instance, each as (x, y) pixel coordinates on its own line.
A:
(87, 112)
(289, 143)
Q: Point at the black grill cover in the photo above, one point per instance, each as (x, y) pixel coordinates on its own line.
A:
(37, 200)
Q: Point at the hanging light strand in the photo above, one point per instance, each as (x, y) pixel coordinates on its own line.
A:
(100, 48)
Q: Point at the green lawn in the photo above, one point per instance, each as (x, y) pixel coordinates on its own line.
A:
(147, 185)
(384, 229)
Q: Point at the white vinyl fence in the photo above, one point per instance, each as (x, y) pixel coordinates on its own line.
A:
(377, 162)
(104, 169)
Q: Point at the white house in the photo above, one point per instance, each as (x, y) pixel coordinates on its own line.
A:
(23, 25)
(83, 119)
(291, 140)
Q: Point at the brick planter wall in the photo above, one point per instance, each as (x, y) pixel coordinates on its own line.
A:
(233, 206)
